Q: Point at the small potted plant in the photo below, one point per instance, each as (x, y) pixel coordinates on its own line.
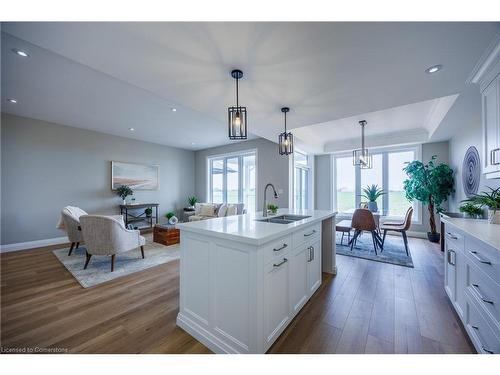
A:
(148, 211)
(372, 193)
(471, 210)
(172, 219)
(123, 192)
(489, 199)
(192, 201)
(272, 208)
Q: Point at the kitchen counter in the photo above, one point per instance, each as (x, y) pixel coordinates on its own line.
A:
(245, 228)
(242, 281)
(480, 229)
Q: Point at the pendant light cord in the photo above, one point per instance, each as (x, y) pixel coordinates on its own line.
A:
(237, 103)
(363, 137)
(285, 122)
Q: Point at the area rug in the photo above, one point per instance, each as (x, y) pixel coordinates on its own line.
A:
(394, 250)
(98, 270)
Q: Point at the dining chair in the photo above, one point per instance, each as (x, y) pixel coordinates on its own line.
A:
(398, 226)
(363, 220)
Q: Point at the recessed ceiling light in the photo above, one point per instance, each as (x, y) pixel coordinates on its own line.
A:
(131, 129)
(20, 52)
(192, 143)
(173, 109)
(12, 100)
(434, 69)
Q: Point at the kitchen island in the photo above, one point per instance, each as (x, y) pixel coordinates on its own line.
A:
(244, 278)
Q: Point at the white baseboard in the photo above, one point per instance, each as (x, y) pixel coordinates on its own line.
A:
(32, 244)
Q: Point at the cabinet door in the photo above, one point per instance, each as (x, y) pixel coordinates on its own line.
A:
(276, 301)
(314, 268)
(299, 290)
(491, 126)
(450, 279)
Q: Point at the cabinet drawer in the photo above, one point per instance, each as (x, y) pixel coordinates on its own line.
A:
(486, 292)
(486, 258)
(454, 238)
(481, 333)
(308, 233)
(277, 248)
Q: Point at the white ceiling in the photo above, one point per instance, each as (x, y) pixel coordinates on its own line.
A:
(112, 76)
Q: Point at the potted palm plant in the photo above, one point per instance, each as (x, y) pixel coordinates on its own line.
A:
(489, 199)
(372, 193)
(192, 201)
(471, 210)
(430, 184)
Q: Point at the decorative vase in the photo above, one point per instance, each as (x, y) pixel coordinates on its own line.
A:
(173, 220)
(124, 201)
(372, 206)
(494, 216)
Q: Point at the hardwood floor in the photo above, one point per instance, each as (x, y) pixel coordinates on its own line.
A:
(369, 307)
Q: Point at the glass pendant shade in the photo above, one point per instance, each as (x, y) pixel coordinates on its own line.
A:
(285, 139)
(362, 156)
(237, 115)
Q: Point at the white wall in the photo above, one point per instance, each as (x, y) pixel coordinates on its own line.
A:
(271, 167)
(47, 166)
(465, 117)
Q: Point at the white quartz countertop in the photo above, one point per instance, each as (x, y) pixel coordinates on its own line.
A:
(245, 228)
(480, 229)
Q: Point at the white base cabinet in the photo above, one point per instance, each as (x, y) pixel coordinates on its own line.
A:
(238, 298)
(472, 282)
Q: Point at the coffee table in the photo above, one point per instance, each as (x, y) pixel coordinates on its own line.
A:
(166, 234)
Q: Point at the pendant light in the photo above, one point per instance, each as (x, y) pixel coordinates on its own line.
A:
(285, 139)
(361, 156)
(237, 116)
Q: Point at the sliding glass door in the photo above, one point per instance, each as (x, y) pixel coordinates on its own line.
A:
(232, 179)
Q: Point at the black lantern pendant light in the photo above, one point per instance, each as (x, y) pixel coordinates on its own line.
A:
(285, 139)
(237, 116)
(361, 156)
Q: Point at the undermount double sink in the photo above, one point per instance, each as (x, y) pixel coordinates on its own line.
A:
(284, 219)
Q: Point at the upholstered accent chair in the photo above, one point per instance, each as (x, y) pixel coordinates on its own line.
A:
(70, 217)
(398, 226)
(363, 220)
(106, 235)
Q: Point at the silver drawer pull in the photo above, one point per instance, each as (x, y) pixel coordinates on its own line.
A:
(280, 263)
(310, 254)
(480, 339)
(480, 259)
(484, 299)
(493, 157)
(453, 237)
(450, 253)
(309, 234)
(281, 248)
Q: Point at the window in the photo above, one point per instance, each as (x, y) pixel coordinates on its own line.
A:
(387, 173)
(302, 181)
(232, 179)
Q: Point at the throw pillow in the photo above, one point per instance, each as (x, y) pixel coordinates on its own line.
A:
(207, 210)
(231, 210)
(222, 210)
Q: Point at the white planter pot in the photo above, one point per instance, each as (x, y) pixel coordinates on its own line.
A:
(494, 217)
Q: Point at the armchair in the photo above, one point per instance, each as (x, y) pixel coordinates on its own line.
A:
(71, 224)
(105, 235)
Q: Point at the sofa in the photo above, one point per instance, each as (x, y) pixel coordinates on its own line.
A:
(204, 211)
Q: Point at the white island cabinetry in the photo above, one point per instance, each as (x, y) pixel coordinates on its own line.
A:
(243, 281)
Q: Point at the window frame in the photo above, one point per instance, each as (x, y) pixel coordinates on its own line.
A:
(225, 157)
(385, 151)
(309, 167)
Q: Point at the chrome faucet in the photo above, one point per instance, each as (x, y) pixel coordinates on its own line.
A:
(264, 208)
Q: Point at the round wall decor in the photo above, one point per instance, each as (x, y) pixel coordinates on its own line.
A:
(471, 171)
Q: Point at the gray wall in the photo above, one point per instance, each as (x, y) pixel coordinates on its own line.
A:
(271, 167)
(324, 169)
(465, 115)
(48, 166)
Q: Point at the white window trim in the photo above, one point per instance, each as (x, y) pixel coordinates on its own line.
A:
(310, 187)
(208, 184)
(385, 176)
